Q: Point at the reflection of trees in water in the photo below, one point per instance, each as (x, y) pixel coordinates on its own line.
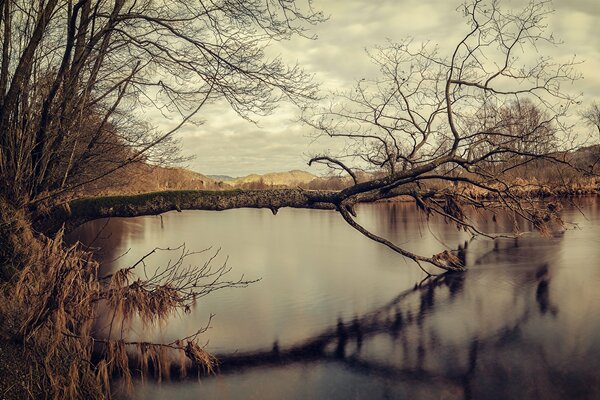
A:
(542, 293)
(106, 238)
(343, 341)
(102, 236)
(405, 323)
(405, 320)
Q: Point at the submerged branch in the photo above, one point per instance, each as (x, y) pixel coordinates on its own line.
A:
(445, 260)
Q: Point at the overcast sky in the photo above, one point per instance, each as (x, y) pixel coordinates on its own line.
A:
(226, 144)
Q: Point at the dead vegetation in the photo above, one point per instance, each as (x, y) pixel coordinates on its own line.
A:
(52, 308)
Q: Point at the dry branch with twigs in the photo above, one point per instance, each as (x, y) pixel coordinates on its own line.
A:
(56, 299)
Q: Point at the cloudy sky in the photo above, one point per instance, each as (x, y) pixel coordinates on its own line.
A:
(226, 144)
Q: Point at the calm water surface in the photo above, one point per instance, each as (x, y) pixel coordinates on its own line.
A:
(337, 316)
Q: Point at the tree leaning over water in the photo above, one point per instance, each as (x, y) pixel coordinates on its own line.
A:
(454, 129)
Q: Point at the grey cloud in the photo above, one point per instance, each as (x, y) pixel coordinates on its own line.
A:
(227, 144)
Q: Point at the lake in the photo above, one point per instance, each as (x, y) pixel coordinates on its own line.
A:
(337, 316)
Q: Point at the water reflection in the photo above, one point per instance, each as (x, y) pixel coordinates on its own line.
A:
(344, 340)
(336, 316)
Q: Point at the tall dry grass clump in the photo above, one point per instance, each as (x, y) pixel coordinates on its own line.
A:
(54, 303)
(17, 240)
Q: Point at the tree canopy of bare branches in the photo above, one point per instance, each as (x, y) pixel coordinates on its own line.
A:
(78, 77)
(452, 126)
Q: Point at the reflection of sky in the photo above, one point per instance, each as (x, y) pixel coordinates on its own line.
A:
(526, 310)
(312, 271)
(226, 144)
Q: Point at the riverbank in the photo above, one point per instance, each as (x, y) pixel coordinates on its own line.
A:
(20, 369)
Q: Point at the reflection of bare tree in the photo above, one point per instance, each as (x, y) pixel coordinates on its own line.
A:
(407, 323)
(542, 293)
(342, 342)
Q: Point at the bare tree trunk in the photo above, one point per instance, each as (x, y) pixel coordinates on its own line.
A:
(80, 211)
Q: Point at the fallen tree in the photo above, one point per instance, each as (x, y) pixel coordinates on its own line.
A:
(448, 131)
(79, 211)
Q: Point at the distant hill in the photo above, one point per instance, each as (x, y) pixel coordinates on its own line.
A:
(140, 178)
(282, 179)
(221, 178)
(180, 178)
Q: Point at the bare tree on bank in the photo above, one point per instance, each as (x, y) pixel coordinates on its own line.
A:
(78, 76)
(591, 116)
(77, 79)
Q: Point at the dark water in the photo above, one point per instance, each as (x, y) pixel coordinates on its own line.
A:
(336, 316)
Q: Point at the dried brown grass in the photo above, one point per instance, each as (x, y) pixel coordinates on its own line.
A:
(54, 301)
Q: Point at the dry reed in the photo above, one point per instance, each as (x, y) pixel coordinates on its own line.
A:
(55, 299)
